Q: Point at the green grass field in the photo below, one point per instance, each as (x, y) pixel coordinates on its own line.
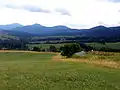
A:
(96, 45)
(44, 45)
(109, 45)
(34, 71)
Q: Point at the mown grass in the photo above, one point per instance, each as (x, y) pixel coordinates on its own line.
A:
(34, 71)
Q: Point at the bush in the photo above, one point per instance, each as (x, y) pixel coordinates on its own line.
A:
(52, 48)
(36, 49)
(69, 49)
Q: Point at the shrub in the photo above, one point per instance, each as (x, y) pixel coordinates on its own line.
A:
(52, 48)
(36, 49)
(69, 49)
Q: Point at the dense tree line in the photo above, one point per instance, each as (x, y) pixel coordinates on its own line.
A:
(72, 48)
(74, 39)
(13, 45)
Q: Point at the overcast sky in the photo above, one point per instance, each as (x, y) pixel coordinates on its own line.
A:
(72, 13)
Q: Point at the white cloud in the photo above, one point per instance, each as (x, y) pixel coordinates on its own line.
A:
(116, 1)
(83, 13)
(30, 8)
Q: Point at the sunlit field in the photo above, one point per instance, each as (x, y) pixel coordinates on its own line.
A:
(37, 71)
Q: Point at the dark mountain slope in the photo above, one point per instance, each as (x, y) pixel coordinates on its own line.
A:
(39, 30)
(46, 31)
(102, 31)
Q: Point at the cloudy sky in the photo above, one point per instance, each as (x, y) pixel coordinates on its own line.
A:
(72, 13)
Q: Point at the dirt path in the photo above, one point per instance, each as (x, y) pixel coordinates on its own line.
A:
(109, 64)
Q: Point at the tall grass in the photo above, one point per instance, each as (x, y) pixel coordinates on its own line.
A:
(96, 55)
(34, 71)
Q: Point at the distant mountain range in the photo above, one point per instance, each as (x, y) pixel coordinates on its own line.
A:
(10, 26)
(19, 30)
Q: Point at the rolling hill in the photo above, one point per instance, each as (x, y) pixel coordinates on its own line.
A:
(102, 31)
(10, 26)
(46, 31)
(39, 30)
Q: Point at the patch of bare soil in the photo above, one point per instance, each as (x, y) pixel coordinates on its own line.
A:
(109, 64)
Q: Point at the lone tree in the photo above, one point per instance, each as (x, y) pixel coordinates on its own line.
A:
(36, 49)
(52, 48)
(69, 49)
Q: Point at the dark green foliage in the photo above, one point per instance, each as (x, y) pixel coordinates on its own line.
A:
(69, 49)
(52, 48)
(102, 41)
(43, 50)
(36, 49)
(14, 45)
(107, 47)
(85, 47)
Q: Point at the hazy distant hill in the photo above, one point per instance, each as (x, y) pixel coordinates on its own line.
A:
(99, 31)
(8, 34)
(48, 31)
(10, 26)
(42, 30)
(39, 30)
(102, 31)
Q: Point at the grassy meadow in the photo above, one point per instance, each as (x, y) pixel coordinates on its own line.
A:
(97, 56)
(95, 45)
(37, 71)
(44, 45)
(109, 45)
